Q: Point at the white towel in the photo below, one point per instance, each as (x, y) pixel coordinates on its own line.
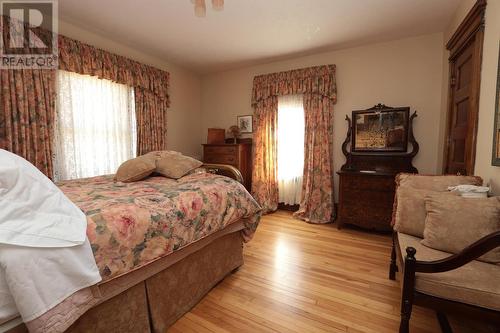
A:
(470, 191)
(33, 211)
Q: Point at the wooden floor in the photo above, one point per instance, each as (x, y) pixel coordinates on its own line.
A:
(300, 277)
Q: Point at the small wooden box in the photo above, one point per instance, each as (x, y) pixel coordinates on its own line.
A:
(216, 136)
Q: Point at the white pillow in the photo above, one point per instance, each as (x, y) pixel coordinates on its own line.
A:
(33, 211)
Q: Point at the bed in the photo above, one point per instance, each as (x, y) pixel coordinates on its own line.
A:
(160, 246)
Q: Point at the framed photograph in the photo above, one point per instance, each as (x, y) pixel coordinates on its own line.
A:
(245, 123)
(496, 128)
(380, 130)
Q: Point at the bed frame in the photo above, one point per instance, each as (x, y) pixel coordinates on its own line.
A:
(224, 170)
(156, 302)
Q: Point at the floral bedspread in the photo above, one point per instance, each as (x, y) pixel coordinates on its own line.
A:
(131, 224)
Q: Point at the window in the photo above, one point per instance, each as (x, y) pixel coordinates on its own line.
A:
(290, 148)
(95, 127)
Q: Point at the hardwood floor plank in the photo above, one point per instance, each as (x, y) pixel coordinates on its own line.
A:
(300, 277)
(232, 319)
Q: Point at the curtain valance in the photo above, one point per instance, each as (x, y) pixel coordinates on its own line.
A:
(318, 80)
(78, 57)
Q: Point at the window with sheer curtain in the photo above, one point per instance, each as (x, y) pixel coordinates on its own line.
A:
(290, 148)
(95, 126)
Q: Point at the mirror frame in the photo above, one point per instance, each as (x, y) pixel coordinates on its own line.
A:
(379, 110)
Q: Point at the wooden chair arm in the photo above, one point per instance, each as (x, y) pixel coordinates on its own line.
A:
(225, 170)
(468, 254)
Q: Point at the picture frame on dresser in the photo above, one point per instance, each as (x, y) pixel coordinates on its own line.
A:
(367, 179)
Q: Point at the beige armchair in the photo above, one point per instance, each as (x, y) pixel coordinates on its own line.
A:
(448, 283)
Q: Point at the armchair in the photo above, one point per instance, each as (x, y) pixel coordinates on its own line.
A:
(462, 284)
(412, 296)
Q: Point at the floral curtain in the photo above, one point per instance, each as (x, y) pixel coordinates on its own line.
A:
(265, 161)
(318, 85)
(27, 100)
(317, 202)
(28, 104)
(151, 126)
(150, 85)
(318, 80)
(78, 57)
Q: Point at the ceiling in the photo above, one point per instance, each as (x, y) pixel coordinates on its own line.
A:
(249, 32)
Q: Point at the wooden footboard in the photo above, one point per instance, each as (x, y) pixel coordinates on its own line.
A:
(224, 170)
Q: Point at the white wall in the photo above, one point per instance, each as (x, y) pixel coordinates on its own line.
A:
(483, 167)
(405, 72)
(183, 125)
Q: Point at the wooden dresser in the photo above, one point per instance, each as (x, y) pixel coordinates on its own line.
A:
(367, 180)
(237, 155)
(366, 199)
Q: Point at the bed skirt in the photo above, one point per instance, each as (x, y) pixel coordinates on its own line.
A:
(155, 303)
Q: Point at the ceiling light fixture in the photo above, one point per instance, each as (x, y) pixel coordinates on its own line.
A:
(218, 5)
(200, 9)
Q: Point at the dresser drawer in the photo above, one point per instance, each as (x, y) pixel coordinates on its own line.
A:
(221, 159)
(223, 150)
(369, 183)
(376, 199)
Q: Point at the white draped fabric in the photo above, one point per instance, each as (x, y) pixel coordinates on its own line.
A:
(45, 255)
(291, 126)
(95, 127)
